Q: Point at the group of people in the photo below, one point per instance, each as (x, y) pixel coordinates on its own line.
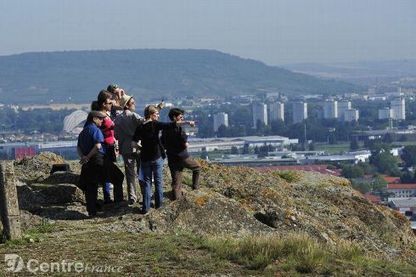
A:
(113, 127)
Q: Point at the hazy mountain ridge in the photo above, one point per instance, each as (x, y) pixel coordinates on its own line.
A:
(358, 72)
(79, 75)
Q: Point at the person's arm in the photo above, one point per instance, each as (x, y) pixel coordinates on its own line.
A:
(137, 133)
(163, 125)
(97, 147)
(117, 130)
(167, 125)
(80, 155)
(137, 118)
(188, 122)
(164, 140)
(82, 158)
(116, 105)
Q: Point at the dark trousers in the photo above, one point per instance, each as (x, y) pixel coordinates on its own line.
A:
(92, 176)
(115, 176)
(176, 167)
(91, 192)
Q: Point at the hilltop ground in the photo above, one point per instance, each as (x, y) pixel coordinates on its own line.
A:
(241, 222)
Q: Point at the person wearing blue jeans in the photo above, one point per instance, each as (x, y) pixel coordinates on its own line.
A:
(152, 154)
(152, 169)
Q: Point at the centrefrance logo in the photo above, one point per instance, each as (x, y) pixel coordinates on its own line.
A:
(14, 263)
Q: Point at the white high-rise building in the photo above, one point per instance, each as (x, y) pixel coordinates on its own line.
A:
(300, 111)
(220, 119)
(259, 114)
(330, 109)
(385, 113)
(398, 108)
(276, 111)
(342, 107)
(351, 115)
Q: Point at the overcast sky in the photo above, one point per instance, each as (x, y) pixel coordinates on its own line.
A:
(272, 31)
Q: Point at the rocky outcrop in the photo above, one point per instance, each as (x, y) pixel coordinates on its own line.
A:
(238, 201)
(38, 168)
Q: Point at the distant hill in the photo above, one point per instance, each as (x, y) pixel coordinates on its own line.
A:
(365, 72)
(77, 76)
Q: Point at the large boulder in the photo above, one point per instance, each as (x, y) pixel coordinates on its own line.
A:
(37, 168)
(35, 196)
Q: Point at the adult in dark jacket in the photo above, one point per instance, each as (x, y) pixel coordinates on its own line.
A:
(175, 142)
(91, 155)
(152, 154)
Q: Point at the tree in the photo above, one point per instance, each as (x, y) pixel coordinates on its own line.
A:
(378, 183)
(277, 127)
(222, 131)
(352, 171)
(354, 144)
(311, 146)
(387, 138)
(234, 150)
(409, 155)
(407, 177)
(361, 186)
(385, 163)
(332, 139)
(263, 151)
(246, 148)
(403, 138)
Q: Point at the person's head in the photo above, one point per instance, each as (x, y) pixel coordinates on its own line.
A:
(131, 104)
(151, 112)
(104, 101)
(128, 103)
(112, 87)
(117, 91)
(176, 114)
(96, 117)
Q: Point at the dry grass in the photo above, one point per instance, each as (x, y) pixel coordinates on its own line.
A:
(299, 254)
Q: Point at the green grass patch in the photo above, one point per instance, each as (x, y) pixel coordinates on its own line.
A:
(333, 148)
(173, 254)
(300, 254)
(289, 175)
(185, 254)
(35, 234)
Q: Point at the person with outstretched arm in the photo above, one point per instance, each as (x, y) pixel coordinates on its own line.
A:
(153, 154)
(175, 141)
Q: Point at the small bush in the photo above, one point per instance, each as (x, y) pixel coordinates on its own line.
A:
(289, 176)
(349, 251)
(303, 254)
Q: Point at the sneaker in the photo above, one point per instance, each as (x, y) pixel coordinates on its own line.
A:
(143, 212)
(131, 202)
(108, 201)
(120, 204)
(92, 214)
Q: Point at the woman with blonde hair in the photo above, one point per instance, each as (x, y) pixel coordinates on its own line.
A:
(153, 154)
